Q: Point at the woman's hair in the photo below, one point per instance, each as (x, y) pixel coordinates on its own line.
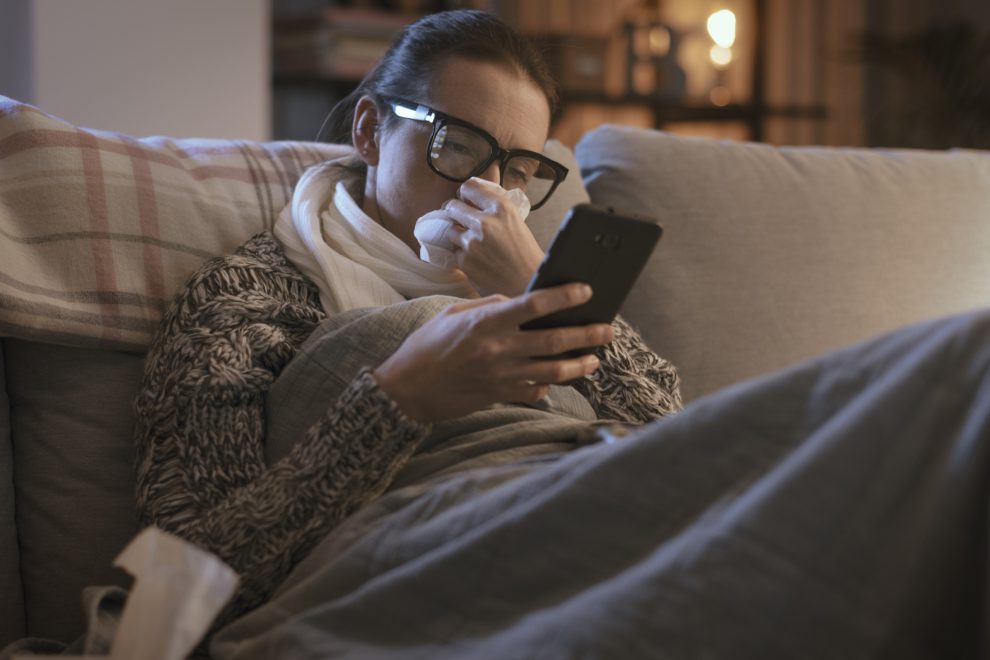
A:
(413, 59)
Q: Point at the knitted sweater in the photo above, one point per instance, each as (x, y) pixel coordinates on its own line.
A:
(200, 470)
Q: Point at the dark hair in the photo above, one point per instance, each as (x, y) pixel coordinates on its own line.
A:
(411, 62)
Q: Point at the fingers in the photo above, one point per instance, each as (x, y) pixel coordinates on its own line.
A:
(539, 343)
(484, 195)
(459, 237)
(465, 215)
(553, 371)
(541, 302)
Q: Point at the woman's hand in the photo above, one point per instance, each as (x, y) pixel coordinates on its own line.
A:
(496, 250)
(473, 354)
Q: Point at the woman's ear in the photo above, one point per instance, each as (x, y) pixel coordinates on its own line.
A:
(364, 132)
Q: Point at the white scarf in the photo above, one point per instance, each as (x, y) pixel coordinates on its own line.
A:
(353, 260)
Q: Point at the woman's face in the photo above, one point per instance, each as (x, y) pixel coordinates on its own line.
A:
(401, 187)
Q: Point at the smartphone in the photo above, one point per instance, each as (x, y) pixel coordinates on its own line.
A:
(602, 248)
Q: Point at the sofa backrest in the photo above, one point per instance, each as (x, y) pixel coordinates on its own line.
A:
(12, 602)
(774, 255)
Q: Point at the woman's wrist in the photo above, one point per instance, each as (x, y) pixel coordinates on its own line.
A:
(391, 386)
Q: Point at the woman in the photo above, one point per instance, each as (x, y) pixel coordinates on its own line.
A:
(410, 489)
(202, 472)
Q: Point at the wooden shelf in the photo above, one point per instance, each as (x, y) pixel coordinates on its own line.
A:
(664, 110)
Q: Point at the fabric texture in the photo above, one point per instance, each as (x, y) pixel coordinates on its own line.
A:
(102, 607)
(354, 261)
(100, 229)
(802, 515)
(203, 475)
(772, 255)
(72, 428)
(12, 604)
(346, 343)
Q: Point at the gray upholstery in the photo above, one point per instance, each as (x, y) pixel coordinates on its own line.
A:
(11, 591)
(72, 425)
(772, 255)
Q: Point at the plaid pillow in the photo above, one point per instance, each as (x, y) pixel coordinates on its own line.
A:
(98, 230)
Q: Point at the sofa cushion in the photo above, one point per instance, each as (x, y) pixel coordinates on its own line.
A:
(772, 255)
(102, 228)
(72, 428)
(12, 603)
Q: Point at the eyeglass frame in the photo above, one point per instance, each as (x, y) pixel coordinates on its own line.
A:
(424, 113)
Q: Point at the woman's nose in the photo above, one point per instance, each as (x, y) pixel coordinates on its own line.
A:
(492, 173)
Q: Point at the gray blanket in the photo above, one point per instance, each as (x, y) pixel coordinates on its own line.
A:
(330, 359)
(834, 510)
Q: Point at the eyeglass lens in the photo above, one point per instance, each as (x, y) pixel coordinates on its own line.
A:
(457, 151)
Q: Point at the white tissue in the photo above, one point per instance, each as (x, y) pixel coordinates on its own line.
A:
(433, 230)
(178, 591)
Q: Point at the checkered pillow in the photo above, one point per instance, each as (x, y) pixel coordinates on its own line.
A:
(98, 230)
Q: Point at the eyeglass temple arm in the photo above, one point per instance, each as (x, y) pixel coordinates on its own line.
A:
(420, 113)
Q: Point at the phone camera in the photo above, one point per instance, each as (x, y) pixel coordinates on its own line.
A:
(608, 241)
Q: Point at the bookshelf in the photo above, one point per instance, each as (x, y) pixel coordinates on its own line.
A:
(320, 56)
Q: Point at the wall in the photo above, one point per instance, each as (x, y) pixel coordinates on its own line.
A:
(184, 68)
(936, 92)
(15, 53)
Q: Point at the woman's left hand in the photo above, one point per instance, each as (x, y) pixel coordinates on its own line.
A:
(495, 248)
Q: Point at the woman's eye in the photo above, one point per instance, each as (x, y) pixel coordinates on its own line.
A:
(517, 175)
(458, 148)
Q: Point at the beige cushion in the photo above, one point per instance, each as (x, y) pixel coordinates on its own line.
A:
(12, 603)
(100, 229)
(772, 255)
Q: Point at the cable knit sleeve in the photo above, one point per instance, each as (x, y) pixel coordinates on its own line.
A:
(633, 384)
(201, 471)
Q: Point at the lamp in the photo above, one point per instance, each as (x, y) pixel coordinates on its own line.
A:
(722, 29)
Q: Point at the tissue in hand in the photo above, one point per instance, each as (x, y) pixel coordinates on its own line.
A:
(433, 230)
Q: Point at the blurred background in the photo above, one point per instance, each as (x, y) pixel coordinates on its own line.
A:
(892, 73)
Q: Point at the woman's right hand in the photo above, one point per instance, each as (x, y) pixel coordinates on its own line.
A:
(473, 354)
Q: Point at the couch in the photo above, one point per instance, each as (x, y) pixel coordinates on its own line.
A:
(770, 256)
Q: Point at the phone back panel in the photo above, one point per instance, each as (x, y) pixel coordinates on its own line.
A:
(605, 250)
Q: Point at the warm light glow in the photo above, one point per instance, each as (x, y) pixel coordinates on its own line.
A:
(722, 28)
(720, 56)
(659, 41)
(720, 96)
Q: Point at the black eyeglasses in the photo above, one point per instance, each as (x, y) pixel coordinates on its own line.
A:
(459, 150)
